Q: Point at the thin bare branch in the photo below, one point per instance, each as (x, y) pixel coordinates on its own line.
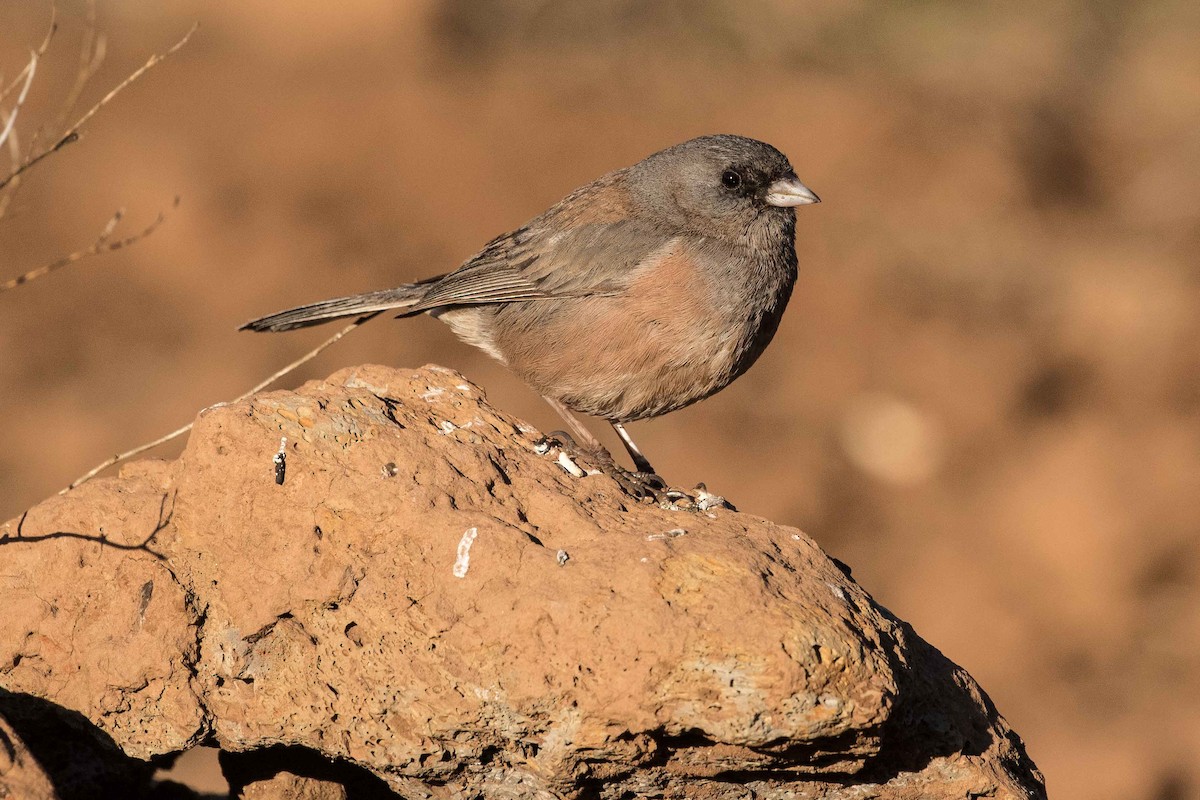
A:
(117, 459)
(50, 30)
(14, 154)
(41, 51)
(14, 148)
(9, 135)
(29, 162)
(73, 133)
(101, 245)
(30, 69)
(304, 359)
(92, 50)
(133, 76)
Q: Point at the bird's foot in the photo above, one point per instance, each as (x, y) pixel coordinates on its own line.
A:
(695, 499)
(648, 487)
(643, 486)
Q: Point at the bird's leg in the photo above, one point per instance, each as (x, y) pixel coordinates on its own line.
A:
(639, 460)
(643, 484)
(699, 498)
(582, 437)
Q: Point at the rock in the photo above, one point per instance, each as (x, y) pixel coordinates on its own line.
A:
(95, 621)
(21, 776)
(284, 785)
(383, 572)
(55, 747)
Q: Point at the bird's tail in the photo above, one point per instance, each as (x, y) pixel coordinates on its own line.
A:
(339, 307)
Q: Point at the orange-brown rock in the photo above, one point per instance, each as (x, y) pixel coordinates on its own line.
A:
(21, 776)
(419, 592)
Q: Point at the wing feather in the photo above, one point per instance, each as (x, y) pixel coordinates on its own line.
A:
(544, 261)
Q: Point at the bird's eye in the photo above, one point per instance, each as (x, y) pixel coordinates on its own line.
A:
(731, 179)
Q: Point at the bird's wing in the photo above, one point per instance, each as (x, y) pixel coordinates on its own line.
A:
(478, 282)
(543, 261)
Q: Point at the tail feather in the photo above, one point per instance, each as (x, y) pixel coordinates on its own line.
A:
(337, 308)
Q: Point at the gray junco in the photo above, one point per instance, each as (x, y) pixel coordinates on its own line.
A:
(644, 291)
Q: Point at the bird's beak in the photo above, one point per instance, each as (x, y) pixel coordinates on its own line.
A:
(787, 192)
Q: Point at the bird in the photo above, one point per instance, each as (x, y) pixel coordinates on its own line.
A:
(640, 293)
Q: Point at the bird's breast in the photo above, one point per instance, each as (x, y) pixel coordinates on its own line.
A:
(683, 328)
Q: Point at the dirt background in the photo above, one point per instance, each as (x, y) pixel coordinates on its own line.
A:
(985, 396)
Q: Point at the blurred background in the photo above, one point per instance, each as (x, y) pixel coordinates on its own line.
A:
(984, 397)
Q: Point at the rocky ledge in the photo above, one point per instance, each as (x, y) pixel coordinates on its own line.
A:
(379, 585)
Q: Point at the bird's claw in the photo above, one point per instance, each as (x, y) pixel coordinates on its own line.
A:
(645, 487)
(648, 487)
(560, 439)
(641, 486)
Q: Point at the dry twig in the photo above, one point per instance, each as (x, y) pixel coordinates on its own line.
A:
(101, 245)
(91, 55)
(41, 51)
(29, 71)
(73, 133)
(14, 148)
(304, 359)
